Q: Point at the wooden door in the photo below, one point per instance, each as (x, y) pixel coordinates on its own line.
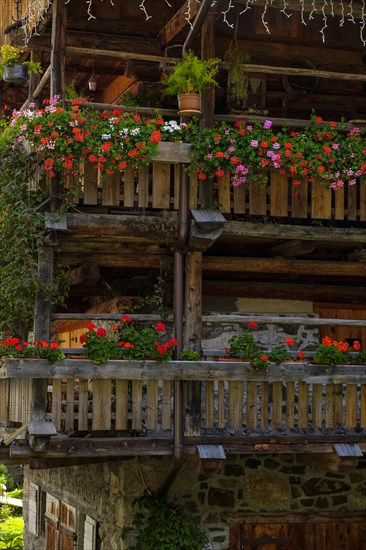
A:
(322, 535)
(342, 311)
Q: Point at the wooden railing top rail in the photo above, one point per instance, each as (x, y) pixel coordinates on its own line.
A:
(69, 369)
(219, 318)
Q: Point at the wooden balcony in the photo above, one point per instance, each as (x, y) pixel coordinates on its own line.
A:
(292, 401)
(156, 187)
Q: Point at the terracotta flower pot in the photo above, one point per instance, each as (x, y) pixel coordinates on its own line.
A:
(189, 104)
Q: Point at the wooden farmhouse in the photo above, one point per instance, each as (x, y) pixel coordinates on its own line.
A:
(266, 458)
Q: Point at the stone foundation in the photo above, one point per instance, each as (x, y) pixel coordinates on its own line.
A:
(245, 485)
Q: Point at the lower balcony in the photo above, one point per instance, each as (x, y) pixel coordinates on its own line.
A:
(126, 408)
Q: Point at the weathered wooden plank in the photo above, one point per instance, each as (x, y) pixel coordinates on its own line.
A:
(362, 199)
(321, 201)
(303, 390)
(221, 403)
(264, 399)
(193, 191)
(338, 405)
(239, 199)
(352, 202)
(143, 187)
(122, 401)
(83, 405)
(90, 184)
(178, 181)
(209, 404)
(137, 405)
(351, 406)
(166, 403)
(102, 400)
(224, 193)
(299, 199)
(111, 189)
(278, 194)
(161, 185)
(184, 370)
(251, 405)
(235, 404)
(56, 404)
(129, 187)
(317, 405)
(69, 410)
(290, 405)
(363, 406)
(174, 152)
(339, 204)
(4, 402)
(277, 405)
(152, 404)
(257, 199)
(329, 406)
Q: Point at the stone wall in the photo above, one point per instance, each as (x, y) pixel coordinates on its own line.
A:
(248, 484)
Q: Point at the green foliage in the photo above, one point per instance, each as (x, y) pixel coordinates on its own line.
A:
(191, 75)
(21, 233)
(159, 526)
(279, 355)
(237, 76)
(243, 346)
(329, 355)
(11, 55)
(11, 533)
(189, 355)
(16, 493)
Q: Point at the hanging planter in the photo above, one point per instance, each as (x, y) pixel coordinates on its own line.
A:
(16, 74)
(11, 67)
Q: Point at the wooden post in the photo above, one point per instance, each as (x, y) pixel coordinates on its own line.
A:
(193, 337)
(42, 327)
(208, 101)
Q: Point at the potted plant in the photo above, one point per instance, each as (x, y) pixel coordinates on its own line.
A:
(237, 82)
(190, 77)
(12, 69)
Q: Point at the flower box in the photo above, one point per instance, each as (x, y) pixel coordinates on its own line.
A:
(174, 152)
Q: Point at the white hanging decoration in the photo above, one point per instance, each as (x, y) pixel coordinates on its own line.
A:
(331, 8)
(302, 2)
(313, 9)
(288, 15)
(142, 8)
(265, 23)
(341, 22)
(325, 20)
(247, 7)
(225, 12)
(363, 23)
(350, 17)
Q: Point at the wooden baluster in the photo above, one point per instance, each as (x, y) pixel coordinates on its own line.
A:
(102, 402)
(252, 405)
(317, 413)
(277, 405)
(122, 401)
(210, 401)
(264, 397)
(83, 422)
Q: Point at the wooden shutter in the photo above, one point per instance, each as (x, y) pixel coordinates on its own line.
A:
(90, 534)
(52, 522)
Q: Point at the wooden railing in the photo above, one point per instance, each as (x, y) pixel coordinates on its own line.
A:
(138, 396)
(157, 187)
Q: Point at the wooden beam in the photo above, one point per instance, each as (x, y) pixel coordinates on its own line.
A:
(292, 249)
(284, 266)
(322, 235)
(286, 291)
(115, 260)
(58, 46)
(177, 23)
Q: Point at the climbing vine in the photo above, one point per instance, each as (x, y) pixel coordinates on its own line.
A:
(21, 235)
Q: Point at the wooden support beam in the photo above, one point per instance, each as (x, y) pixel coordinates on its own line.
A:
(286, 291)
(177, 23)
(58, 48)
(283, 266)
(292, 249)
